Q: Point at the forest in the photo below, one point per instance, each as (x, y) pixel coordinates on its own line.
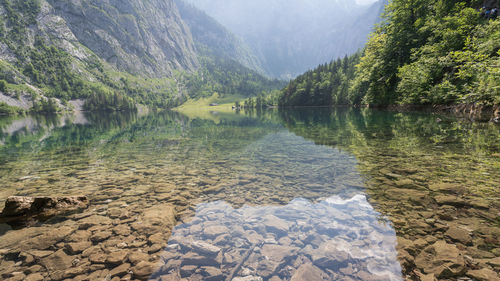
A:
(421, 53)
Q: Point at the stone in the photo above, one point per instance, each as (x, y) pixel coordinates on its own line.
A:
(157, 238)
(98, 257)
(92, 250)
(137, 257)
(404, 183)
(154, 248)
(428, 277)
(98, 274)
(212, 274)
(248, 278)
(447, 187)
(204, 248)
(483, 275)
(309, 272)
(78, 247)
(286, 241)
(187, 270)
(279, 253)
(116, 212)
(459, 235)
(57, 263)
(33, 269)
(100, 236)
(19, 206)
(26, 258)
(120, 270)
(215, 230)
(143, 270)
(442, 259)
(94, 220)
(275, 225)
(327, 255)
(122, 229)
(158, 218)
(40, 254)
(170, 277)
(171, 264)
(74, 271)
(17, 276)
(195, 259)
(494, 262)
(48, 239)
(450, 200)
(117, 257)
(34, 277)
(78, 236)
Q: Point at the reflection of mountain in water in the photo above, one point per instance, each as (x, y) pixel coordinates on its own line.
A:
(335, 239)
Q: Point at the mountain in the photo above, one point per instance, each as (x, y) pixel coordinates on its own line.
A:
(140, 37)
(114, 54)
(292, 36)
(213, 39)
(134, 35)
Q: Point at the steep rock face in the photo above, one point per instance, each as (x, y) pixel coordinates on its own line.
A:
(211, 38)
(140, 37)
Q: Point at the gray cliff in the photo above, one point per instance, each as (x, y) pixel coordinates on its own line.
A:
(136, 36)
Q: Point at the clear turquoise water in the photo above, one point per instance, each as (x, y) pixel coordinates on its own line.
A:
(342, 190)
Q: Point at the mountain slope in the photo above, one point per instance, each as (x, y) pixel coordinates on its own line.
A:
(140, 37)
(100, 50)
(113, 54)
(292, 36)
(213, 39)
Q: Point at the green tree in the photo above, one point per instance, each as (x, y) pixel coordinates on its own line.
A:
(3, 86)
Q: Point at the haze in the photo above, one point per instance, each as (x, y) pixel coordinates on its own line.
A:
(292, 36)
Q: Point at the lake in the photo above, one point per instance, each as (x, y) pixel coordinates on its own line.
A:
(304, 194)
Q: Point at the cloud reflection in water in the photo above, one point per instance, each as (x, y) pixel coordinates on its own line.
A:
(343, 239)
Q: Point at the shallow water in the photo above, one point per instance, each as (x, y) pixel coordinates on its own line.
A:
(345, 237)
(277, 195)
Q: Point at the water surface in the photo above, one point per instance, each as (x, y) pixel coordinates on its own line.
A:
(278, 195)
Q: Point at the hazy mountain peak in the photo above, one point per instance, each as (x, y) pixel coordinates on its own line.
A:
(292, 36)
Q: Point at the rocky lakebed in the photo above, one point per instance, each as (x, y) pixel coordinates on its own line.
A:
(309, 196)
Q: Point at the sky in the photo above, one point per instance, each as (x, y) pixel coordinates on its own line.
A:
(363, 2)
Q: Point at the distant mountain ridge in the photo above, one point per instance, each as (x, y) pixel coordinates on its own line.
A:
(292, 36)
(211, 38)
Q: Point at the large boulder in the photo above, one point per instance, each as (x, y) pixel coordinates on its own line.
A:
(22, 206)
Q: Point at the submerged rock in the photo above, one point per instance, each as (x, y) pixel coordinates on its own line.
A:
(483, 275)
(21, 207)
(442, 259)
(308, 272)
(143, 270)
(458, 234)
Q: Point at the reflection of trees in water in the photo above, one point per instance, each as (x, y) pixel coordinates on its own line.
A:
(347, 126)
(431, 178)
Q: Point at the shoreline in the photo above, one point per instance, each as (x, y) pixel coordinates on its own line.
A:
(472, 112)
